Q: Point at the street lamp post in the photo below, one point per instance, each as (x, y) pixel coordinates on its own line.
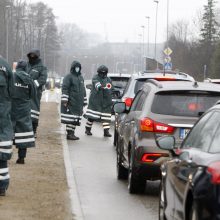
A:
(148, 39)
(7, 17)
(167, 22)
(155, 44)
(140, 35)
(143, 53)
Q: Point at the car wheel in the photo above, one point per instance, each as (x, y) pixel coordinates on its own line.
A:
(135, 183)
(122, 172)
(193, 215)
(162, 204)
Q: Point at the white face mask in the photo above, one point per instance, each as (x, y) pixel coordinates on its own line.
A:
(77, 69)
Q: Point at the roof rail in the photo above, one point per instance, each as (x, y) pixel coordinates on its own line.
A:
(155, 82)
(218, 102)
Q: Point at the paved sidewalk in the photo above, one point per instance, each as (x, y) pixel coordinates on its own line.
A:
(38, 189)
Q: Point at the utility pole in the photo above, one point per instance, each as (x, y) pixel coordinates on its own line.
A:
(155, 43)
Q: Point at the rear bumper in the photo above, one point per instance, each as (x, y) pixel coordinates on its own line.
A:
(149, 170)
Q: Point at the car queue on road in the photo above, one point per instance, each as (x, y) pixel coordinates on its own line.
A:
(158, 111)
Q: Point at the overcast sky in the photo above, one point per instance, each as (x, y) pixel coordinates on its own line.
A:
(121, 20)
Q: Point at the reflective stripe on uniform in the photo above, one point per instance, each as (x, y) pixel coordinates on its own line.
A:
(71, 116)
(4, 170)
(26, 140)
(24, 134)
(6, 151)
(6, 177)
(35, 112)
(5, 143)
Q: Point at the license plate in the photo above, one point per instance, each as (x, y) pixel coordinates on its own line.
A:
(184, 132)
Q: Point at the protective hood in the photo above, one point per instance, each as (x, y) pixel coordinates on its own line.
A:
(36, 52)
(21, 65)
(74, 65)
(33, 56)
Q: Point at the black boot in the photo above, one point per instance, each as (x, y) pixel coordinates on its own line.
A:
(71, 136)
(2, 192)
(88, 131)
(106, 133)
(20, 161)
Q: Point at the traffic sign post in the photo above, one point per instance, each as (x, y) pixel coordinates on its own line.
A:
(168, 51)
(168, 66)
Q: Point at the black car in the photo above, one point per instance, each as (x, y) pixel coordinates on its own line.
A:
(160, 108)
(190, 186)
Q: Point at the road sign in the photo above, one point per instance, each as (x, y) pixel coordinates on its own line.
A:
(168, 51)
(168, 66)
(167, 59)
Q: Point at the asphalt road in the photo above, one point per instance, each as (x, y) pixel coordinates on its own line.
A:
(101, 195)
(93, 164)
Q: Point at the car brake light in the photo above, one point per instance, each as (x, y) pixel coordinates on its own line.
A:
(128, 101)
(214, 170)
(150, 157)
(147, 124)
(164, 78)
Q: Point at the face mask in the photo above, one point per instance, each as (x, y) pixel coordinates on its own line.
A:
(77, 69)
(103, 74)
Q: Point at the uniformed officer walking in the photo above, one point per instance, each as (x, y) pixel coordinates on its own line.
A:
(6, 130)
(100, 101)
(24, 90)
(73, 99)
(38, 73)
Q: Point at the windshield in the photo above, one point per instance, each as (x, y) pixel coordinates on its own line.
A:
(119, 82)
(184, 103)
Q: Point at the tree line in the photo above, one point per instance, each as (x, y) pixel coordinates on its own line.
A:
(195, 45)
(197, 49)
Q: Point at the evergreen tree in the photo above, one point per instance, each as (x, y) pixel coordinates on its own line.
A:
(209, 33)
(215, 64)
(209, 36)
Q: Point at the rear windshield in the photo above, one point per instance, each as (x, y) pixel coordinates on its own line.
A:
(139, 83)
(184, 103)
(119, 82)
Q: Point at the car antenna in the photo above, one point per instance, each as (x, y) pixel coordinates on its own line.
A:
(195, 84)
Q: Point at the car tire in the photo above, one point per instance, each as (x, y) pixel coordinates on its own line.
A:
(122, 172)
(135, 183)
(193, 215)
(162, 203)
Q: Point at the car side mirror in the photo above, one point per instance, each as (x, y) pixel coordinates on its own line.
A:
(166, 142)
(119, 107)
(89, 86)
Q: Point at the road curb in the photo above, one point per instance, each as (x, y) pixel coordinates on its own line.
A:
(71, 181)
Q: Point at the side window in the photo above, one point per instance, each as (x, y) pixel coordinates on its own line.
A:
(141, 102)
(202, 134)
(215, 147)
(136, 99)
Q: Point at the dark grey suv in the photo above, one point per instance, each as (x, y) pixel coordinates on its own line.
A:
(160, 108)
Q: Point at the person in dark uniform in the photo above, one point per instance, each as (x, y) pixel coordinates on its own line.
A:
(38, 73)
(100, 101)
(6, 129)
(24, 91)
(73, 99)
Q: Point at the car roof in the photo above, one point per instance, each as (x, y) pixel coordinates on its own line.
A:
(162, 74)
(119, 75)
(186, 85)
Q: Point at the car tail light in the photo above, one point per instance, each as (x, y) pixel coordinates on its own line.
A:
(165, 78)
(128, 101)
(150, 157)
(147, 124)
(214, 170)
